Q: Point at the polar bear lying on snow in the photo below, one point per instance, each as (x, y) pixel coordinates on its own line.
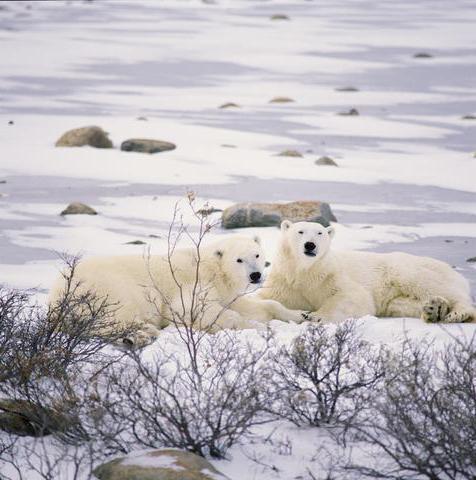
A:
(150, 296)
(334, 285)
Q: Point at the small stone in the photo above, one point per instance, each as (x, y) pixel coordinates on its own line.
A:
(78, 208)
(349, 113)
(279, 16)
(135, 242)
(347, 89)
(290, 153)
(469, 117)
(78, 137)
(165, 464)
(11, 122)
(272, 214)
(449, 241)
(153, 235)
(142, 119)
(230, 105)
(281, 100)
(423, 55)
(145, 145)
(3, 181)
(228, 145)
(471, 259)
(327, 161)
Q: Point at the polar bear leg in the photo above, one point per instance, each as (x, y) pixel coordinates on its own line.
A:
(142, 337)
(341, 307)
(404, 307)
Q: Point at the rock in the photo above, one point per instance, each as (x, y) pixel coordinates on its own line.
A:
(281, 100)
(135, 242)
(143, 119)
(153, 235)
(279, 16)
(471, 259)
(3, 181)
(230, 105)
(146, 145)
(326, 161)
(78, 208)
(469, 117)
(166, 464)
(24, 418)
(422, 55)
(78, 137)
(227, 145)
(11, 122)
(272, 214)
(347, 89)
(290, 153)
(349, 113)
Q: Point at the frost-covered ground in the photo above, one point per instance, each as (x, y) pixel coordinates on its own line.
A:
(406, 171)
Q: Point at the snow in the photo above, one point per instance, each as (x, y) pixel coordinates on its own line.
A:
(148, 461)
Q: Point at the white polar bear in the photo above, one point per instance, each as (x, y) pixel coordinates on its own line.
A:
(153, 292)
(335, 285)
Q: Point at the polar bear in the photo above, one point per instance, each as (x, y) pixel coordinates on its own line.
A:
(334, 285)
(209, 293)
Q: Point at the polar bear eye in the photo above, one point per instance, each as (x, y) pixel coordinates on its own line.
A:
(239, 260)
(301, 232)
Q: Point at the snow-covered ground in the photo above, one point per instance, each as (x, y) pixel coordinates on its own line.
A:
(406, 175)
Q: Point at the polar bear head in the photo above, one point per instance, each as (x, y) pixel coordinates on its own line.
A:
(241, 260)
(306, 242)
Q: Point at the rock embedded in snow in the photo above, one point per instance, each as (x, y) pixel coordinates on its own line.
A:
(290, 153)
(279, 16)
(326, 161)
(135, 242)
(272, 214)
(281, 100)
(77, 208)
(145, 145)
(469, 117)
(230, 105)
(347, 89)
(353, 112)
(423, 55)
(471, 259)
(163, 464)
(78, 137)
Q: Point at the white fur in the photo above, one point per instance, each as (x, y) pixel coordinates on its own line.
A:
(148, 293)
(336, 285)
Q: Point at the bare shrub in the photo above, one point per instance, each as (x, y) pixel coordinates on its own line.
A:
(424, 420)
(325, 377)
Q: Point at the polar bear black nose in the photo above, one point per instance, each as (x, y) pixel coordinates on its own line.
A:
(255, 276)
(309, 245)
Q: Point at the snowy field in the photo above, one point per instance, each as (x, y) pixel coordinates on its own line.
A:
(406, 164)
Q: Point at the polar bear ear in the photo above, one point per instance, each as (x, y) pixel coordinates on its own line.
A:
(331, 231)
(257, 240)
(285, 224)
(219, 253)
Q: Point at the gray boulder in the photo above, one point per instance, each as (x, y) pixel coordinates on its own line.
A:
(145, 145)
(272, 214)
(164, 464)
(281, 100)
(92, 136)
(78, 208)
(290, 153)
(327, 161)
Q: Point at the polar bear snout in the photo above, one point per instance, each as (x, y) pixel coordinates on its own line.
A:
(255, 277)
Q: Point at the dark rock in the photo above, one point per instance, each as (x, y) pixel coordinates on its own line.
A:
(272, 214)
(3, 181)
(78, 208)
(25, 418)
(78, 137)
(135, 242)
(279, 16)
(326, 161)
(349, 113)
(227, 145)
(11, 122)
(281, 100)
(469, 117)
(145, 145)
(290, 153)
(423, 55)
(230, 105)
(347, 89)
(471, 259)
(163, 464)
(143, 119)
(153, 235)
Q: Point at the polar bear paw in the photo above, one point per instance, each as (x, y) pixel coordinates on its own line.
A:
(309, 317)
(436, 310)
(458, 317)
(141, 338)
